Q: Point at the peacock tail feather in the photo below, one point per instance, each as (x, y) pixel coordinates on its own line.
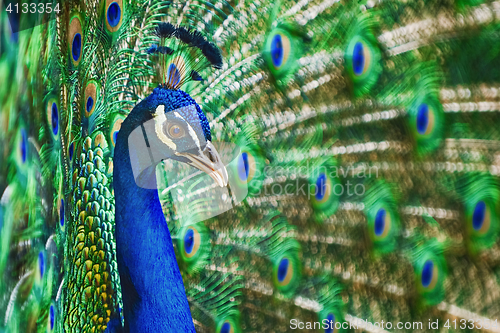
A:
(360, 139)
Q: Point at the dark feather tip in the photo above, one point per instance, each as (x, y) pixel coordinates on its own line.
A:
(165, 30)
(212, 53)
(196, 76)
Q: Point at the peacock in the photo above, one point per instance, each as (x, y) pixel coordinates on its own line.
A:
(250, 166)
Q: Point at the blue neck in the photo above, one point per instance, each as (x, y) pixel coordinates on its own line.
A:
(154, 299)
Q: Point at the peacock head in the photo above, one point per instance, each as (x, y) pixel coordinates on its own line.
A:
(172, 126)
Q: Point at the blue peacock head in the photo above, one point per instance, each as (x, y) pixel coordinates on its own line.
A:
(169, 124)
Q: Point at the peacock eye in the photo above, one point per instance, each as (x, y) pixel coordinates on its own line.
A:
(175, 131)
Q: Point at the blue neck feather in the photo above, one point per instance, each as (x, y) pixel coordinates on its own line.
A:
(154, 299)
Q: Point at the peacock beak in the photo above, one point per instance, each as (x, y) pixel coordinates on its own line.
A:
(209, 161)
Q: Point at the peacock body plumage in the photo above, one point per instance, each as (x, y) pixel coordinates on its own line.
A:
(250, 166)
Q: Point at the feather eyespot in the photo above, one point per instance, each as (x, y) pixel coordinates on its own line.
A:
(71, 151)
(480, 194)
(243, 168)
(247, 169)
(381, 215)
(430, 271)
(382, 223)
(41, 268)
(426, 120)
(284, 271)
(90, 97)
(53, 117)
(362, 62)
(41, 264)
(481, 218)
(325, 199)
(175, 131)
(280, 50)
(331, 323)
(331, 317)
(90, 104)
(193, 246)
(227, 328)
(228, 325)
(114, 14)
(323, 188)
(76, 47)
(277, 50)
(115, 128)
(361, 59)
(191, 242)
